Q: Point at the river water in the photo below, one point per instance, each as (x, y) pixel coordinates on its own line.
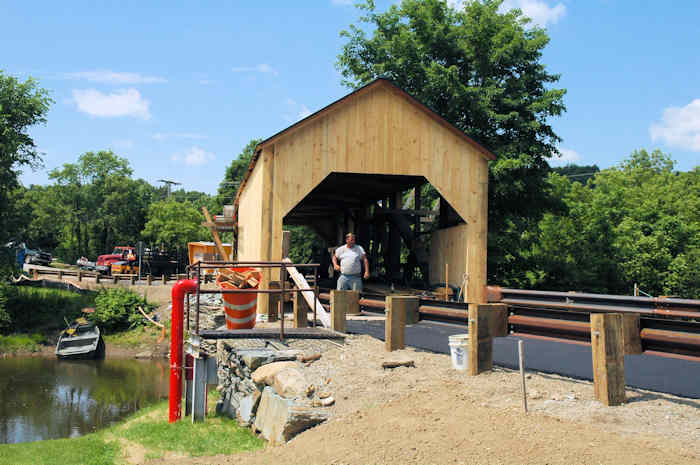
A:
(45, 398)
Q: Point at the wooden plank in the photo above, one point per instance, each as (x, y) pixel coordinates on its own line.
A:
(215, 234)
(301, 283)
(608, 358)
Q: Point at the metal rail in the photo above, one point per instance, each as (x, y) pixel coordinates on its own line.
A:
(669, 327)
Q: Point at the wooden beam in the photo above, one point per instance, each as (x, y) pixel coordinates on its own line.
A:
(301, 283)
(480, 340)
(608, 358)
(341, 303)
(301, 310)
(631, 337)
(215, 234)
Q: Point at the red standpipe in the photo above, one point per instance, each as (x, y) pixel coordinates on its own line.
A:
(185, 286)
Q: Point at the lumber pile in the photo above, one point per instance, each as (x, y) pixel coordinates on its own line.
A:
(240, 280)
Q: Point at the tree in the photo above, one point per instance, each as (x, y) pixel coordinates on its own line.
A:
(480, 69)
(173, 224)
(635, 223)
(22, 105)
(236, 172)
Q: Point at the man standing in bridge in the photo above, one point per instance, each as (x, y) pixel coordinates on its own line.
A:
(351, 257)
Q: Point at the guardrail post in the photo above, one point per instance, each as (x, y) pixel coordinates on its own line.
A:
(35, 273)
(165, 279)
(340, 305)
(133, 280)
(608, 358)
(60, 275)
(395, 327)
(97, 278)
(80, 275)
(353, 306)
(115, 279)
(486, 321)
(148, 280)
(631, 336)
(301, 311)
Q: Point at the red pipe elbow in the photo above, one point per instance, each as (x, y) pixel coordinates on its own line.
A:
(185, 286)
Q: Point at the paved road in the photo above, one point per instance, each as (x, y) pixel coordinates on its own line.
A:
(661, 374)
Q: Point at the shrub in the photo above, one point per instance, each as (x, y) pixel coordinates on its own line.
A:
(32, 309)
(116, 309)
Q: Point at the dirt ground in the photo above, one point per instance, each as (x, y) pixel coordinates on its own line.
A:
(432, 414)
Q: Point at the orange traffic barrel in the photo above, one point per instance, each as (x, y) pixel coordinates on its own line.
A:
(240, 308)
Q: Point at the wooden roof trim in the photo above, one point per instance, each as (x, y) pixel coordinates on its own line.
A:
(361, 91)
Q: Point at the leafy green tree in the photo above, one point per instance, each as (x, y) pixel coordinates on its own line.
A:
(235, 173)
(481, 70)
(171, 223)
(578, 173)
(22, 105)
(635, 223)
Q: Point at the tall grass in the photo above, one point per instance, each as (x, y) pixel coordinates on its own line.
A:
(33, 309)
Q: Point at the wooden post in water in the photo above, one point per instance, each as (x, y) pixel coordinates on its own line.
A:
(608, 358)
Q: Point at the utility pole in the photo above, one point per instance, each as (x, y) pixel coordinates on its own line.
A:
(169, 183)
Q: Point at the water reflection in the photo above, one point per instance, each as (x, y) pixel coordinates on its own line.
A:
(44, 398)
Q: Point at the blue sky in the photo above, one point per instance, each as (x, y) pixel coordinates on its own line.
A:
(179, 88)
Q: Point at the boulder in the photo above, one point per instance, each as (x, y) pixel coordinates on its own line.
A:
(290, 383)
(279, 419)
(255, 358)
(266, 373)
(247, 406)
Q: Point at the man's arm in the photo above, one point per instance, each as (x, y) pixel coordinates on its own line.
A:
(336, 267)
(364, 259)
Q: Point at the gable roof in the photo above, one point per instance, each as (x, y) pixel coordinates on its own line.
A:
(362, 90)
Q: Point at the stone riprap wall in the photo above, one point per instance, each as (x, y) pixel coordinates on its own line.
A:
(265, 388)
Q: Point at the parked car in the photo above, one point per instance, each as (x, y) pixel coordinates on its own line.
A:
(31, 256)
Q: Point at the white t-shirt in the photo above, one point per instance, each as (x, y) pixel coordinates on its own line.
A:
(350, 259)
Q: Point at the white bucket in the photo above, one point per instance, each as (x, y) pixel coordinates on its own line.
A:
(459, 350)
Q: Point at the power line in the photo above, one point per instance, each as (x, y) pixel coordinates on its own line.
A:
(168, 184)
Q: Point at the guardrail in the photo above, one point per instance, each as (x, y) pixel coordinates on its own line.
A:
(668, 327)
(36, 270)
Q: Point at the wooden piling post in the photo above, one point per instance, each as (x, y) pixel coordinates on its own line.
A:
(340, 303)
(395, 327)
(301, 310)
(608, 358)
(486, 321)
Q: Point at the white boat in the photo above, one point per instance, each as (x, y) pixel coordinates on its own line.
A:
(82, 339)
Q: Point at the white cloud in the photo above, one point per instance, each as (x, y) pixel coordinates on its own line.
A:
(261, 68)
(125, 102)
(568, 156)
(177, 135)
(538, 11)
(113, 77)
(679, 127)
(195, 156)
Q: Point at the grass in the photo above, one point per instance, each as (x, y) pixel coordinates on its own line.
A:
(91, 449)
(21, 342)
(150, 428)
(136, 337)
(42, 309)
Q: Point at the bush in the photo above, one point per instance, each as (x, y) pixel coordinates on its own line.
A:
(5, 318)
(117, 309)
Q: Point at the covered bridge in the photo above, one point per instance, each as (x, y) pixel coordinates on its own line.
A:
(351, 166)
